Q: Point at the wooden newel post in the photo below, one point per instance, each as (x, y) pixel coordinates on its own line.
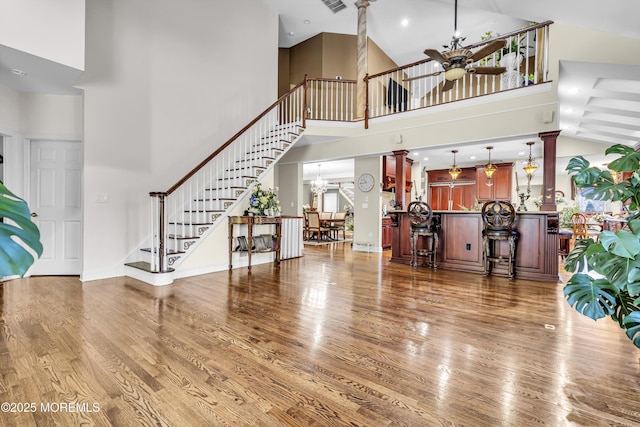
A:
(401, 184)
(158, 243)
(549, 170)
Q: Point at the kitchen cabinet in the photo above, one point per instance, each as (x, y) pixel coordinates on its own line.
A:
(386, 232)
(389, 173)
(501, 187)
(444, 196)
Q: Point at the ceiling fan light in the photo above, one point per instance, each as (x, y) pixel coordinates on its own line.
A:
(454, 73)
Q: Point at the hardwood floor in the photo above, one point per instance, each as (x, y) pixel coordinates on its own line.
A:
(332, 338)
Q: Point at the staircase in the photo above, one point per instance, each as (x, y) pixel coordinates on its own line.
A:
(183, 216)
(346, 190)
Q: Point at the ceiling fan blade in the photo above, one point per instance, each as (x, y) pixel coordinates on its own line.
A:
(408, 79)
(487, 50)
(487, 70)
(436, 55)
(448, 84)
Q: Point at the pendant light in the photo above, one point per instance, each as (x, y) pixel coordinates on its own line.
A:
(490, 168)
(530, 167)
(454, 171)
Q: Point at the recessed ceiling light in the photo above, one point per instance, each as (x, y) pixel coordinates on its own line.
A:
(18, 72)
(521, 153)
(472, 157)
(415, 153)
(404, 22)
(306, 21)
(426, 158)
(291, 33)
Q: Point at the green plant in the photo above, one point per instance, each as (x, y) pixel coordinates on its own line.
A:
(16, 231)
(564, 216)
(608, 281)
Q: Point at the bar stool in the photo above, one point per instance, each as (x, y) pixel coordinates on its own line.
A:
(498, 217)
(420, 217)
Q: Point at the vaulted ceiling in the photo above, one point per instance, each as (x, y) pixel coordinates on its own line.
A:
(597, 102)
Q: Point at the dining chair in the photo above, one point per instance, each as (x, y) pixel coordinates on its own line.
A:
(316, 228)
(340, 224)
(580, 227)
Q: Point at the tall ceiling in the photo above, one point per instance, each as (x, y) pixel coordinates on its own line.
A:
(597, 102)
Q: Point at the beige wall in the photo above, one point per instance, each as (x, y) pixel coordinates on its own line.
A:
(306, 58)
(328, 55)
(283, 71)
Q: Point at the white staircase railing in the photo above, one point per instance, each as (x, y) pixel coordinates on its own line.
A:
(347, 193)
(201, 200)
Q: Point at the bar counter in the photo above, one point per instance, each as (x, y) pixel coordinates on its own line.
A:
(460, 245)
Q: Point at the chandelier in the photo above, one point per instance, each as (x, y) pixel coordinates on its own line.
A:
(454, 171)
(530, 167)
(319, 186)
(490, 169)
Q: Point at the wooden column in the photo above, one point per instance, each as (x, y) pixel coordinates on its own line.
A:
(361, 61)
(549, 170)
(401, 184)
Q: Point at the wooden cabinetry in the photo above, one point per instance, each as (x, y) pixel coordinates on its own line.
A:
(501, 188)
(386, 233)
(456, 198)
(389, 173)
(461, 244)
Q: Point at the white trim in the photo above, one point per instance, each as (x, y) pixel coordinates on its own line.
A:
(469, 102)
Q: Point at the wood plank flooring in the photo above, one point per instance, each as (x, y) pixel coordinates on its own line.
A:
(334, 338)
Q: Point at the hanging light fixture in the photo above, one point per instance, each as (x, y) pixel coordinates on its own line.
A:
(489, 168)
(319, 186)
(454, 171)
(530, 167)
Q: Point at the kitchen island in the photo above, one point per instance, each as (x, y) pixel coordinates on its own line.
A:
(460, 245)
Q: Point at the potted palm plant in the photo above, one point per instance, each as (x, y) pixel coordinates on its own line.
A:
(19, 236)
(606, 279)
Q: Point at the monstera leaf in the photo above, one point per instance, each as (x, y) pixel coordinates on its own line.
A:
(595, 298)
(17, 233)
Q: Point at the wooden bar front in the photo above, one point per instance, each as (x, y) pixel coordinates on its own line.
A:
(461, 243)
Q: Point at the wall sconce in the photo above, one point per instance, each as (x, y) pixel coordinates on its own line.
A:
(454, 171)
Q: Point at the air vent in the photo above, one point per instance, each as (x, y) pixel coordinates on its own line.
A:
(335, 5)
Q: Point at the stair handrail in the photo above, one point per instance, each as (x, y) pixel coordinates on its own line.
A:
(159, 199)
(238, 134)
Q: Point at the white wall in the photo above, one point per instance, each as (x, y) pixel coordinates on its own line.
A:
(52, 116)
(165, 84)
(49, 29)
(29, 116)
(367, 210)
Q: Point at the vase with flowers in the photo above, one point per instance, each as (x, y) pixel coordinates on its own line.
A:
(263, 202)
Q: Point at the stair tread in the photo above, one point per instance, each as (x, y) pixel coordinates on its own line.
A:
(145, 266)
(169, 252)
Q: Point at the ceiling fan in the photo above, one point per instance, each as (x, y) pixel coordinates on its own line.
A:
(455, 61)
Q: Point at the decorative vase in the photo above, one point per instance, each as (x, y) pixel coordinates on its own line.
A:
(511, 78)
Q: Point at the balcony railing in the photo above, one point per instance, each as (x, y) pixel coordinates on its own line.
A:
(404, 89)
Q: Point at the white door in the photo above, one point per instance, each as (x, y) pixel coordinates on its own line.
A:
(56, 205)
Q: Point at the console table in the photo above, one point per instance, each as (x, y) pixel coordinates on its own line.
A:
(250, 222)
